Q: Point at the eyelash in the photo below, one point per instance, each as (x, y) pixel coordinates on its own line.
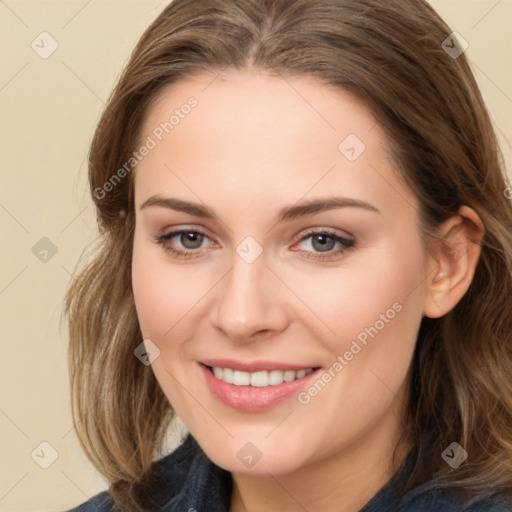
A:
(346, 244)
(163, 239)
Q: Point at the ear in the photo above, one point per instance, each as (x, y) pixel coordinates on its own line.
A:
(453, 262)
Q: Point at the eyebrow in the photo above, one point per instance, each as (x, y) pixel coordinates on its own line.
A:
(295, 211)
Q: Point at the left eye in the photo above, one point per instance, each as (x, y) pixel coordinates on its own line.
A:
(189, 239)
(325, 242)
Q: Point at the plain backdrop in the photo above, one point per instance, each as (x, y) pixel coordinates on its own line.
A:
(49, 107)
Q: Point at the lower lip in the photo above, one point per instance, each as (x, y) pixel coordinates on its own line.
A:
(251, 398)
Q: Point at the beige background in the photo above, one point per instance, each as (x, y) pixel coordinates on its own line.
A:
(49, 108)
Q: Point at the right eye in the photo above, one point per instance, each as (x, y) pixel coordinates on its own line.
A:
(187, 240)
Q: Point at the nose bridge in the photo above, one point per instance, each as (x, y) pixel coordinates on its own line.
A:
(245, 280)
(245, 305)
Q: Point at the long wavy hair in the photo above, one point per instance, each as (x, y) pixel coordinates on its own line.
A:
(391, 55)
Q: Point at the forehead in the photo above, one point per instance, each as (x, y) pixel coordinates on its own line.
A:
(268, 135)
(262, 103)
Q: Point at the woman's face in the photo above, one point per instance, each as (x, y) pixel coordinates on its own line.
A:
(275, 243)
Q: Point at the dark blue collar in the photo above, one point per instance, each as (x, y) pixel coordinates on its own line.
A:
(193, 483)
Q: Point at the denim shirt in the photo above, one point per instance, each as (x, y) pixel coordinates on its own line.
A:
(187, 481)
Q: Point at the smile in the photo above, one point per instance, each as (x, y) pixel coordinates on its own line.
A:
(259, 379)
(258, 390)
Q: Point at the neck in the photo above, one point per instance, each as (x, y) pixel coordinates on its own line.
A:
(344, 482)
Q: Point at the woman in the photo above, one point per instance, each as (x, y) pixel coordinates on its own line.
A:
(305, 255)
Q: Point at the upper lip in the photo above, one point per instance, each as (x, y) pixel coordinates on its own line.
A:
(255, 366)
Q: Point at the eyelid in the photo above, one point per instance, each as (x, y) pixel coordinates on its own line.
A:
(176, 230)
(328, 231)
(346, 245)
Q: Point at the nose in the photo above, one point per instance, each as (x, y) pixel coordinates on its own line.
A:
(250, 303)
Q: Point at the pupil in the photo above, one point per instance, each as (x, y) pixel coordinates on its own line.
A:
(325, 243)
(191, 240)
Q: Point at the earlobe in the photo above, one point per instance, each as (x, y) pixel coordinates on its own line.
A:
(453, 262)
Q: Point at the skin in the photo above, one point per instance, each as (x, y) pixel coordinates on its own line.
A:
(253, 145)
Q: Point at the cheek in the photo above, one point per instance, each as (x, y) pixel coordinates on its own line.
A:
(376, 327)
(374, 311)
(165, 294)
(365, 299)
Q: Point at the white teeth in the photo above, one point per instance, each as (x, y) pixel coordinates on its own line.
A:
(289, 375)
(241, 378)
(260, 379)
(227, 375)
(275, 377)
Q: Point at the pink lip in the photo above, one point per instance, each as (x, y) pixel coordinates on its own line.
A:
(249, 398)
(254, 366)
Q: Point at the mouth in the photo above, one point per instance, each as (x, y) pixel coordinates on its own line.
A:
(260, 379)
(259, 390)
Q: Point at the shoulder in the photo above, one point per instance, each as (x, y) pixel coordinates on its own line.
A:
(429, 498)
(433, 496)
(99, 503)
(177, 481)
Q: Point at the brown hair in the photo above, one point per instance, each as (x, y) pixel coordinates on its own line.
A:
(390, 55)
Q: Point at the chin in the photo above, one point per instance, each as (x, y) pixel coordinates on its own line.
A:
(259, 457)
